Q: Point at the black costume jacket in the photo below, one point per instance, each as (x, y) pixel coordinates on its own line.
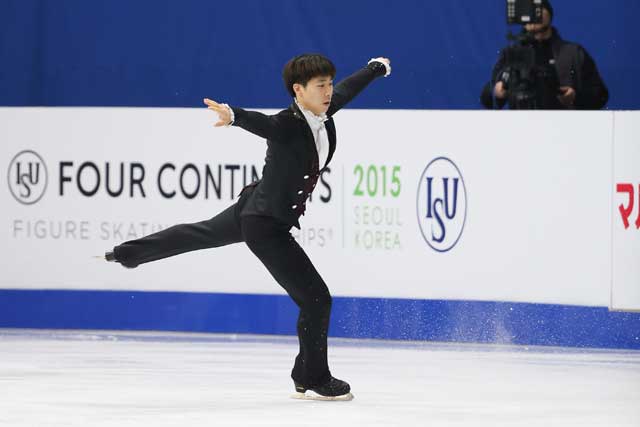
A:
(291, 167)
(574, 67)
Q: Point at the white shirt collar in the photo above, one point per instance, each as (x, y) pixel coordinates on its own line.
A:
(311, 117)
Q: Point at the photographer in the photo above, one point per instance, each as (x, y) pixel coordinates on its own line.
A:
(562, 75)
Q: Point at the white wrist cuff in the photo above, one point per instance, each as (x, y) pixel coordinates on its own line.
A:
(233, 116)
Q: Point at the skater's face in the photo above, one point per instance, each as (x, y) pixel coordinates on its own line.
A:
(315, 96)
(541, 31)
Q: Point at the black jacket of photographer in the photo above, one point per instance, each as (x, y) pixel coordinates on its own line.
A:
(574, 67)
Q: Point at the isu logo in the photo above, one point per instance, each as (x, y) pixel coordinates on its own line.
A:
(27, 177)
(441, 204)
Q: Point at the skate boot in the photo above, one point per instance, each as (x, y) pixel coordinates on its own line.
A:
(334, 389)
(109, 256)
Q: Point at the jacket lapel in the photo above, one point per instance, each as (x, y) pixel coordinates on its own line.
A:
(331, 134)
(308, 137)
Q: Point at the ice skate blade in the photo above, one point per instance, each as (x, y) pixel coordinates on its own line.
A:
(310, 395)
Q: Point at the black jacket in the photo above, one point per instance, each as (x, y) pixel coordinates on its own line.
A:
(291, 167)
(574, 67)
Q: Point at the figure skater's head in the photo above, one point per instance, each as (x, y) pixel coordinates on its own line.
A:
(309, 79)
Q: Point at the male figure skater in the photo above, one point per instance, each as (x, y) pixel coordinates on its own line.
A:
(301, 141)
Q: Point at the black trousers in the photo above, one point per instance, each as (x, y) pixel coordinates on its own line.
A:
(271, 241)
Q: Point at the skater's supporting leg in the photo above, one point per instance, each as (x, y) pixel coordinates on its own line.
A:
(272, 243)
(223, 229)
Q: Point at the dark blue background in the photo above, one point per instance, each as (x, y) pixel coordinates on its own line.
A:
(173, 53)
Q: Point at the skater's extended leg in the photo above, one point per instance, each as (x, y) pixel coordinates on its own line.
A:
(221, 230)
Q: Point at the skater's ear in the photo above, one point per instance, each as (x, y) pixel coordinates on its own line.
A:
(298, 88)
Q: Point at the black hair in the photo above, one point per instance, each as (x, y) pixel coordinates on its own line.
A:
(305, 67)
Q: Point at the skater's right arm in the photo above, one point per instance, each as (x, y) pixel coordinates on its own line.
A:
(268, 127)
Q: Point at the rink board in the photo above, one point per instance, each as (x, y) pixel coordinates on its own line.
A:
(529, 222)
(625, 293)
(396, 319)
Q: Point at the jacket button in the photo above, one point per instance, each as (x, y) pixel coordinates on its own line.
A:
(294, 207)
(300, 192)
(306, 177)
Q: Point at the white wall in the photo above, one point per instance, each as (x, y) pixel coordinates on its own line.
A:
(625, 294)
(536, 228)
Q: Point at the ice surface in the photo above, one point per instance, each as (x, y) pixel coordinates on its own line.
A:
(87, 378)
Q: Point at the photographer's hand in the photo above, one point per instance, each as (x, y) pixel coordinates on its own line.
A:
(567, 96)
(499, 91)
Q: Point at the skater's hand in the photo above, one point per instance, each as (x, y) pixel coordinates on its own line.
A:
(223, 111)
(385, 61)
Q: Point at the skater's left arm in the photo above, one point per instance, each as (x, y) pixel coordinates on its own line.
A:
(348, 88)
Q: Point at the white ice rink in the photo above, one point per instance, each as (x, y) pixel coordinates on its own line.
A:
(55, 378)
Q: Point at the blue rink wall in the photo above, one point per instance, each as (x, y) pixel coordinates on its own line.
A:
(533, 254)
(395, 319)
(169, 54)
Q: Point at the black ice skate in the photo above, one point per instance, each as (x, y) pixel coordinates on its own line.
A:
(334, 389)
(109, 256)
